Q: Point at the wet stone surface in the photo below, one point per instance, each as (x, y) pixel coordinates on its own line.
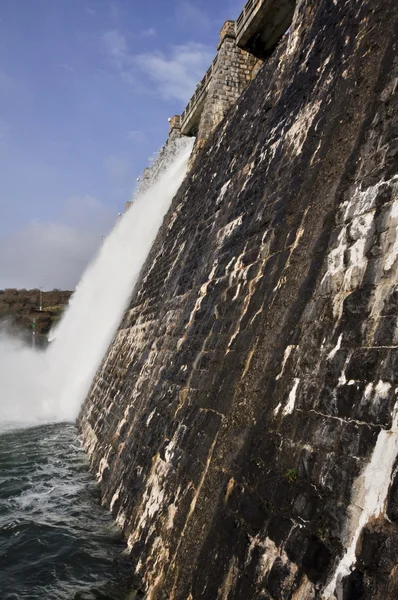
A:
(244, 422)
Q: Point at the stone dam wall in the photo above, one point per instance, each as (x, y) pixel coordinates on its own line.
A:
(244, 423)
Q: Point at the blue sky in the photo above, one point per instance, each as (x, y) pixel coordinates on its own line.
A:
(86, 87)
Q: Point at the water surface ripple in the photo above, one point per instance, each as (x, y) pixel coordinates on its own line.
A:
(56, 541)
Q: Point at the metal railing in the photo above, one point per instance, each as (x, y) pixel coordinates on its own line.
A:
(245, 15)
(201, 89)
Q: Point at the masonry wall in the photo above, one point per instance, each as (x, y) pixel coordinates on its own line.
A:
(234, 70)
(243, 424)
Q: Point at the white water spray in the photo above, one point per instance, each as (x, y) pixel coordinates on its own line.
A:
(50, 386)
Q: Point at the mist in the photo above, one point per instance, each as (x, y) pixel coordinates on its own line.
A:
(54, 254)
(48, 386)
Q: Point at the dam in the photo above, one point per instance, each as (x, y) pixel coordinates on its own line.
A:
(243, 423)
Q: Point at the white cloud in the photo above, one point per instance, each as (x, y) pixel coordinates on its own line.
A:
(148, 33)
(115, 11)
(188, 14)
(4, 134)
(116, 46)
(54, 254)
(117, 167)
(67, 68)
(7, 83)
(135, 135)
(175, 74)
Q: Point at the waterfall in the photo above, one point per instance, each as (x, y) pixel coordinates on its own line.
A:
(49, 386)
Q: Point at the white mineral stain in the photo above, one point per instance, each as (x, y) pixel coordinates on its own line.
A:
(337, 347)
(252, 287)
(198, 303)
(121, 519)
(248, 176)
(90, 438)
(172, 510)
(393, 250)
(121, 424)
(382, 389)
(223, 191)
(149, 419)
(361, 230)
(238, 270)
(227, 231)
(297, 134)
(347, 262)
(369, 495)
(268, 557)
(292, 398)
(102, 466)
(335, 260)
(294, 38)
(270, 553)
(115, 497)
(286, 355)
(153, 500)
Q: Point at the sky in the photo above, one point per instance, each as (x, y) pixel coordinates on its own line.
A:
(86, 88)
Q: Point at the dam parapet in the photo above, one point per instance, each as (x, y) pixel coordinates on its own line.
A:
(226, 79)
(261, 25)
(243, 47)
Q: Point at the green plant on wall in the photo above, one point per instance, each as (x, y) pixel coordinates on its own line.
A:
(291, 475)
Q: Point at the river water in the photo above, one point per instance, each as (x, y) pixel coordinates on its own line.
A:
(56, 541)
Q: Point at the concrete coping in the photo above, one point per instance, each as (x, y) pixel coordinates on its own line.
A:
(175, 122)
(246, 13)
(228, 30)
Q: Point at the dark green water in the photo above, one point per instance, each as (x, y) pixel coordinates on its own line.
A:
(56, 541)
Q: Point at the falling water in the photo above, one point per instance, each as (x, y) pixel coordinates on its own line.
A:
(55, 540)
(37, 387)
